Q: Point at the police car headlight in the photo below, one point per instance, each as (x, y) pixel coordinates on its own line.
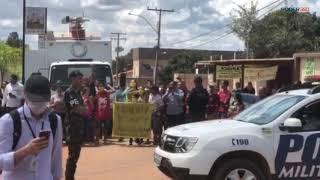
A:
(185, 144)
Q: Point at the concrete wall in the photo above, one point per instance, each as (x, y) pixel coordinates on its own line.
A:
(136, 69)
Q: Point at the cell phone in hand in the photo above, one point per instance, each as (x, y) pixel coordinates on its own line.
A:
(45, 133)
(11, 95)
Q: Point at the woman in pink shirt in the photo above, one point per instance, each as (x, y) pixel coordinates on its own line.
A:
(103, 113)
(224, 98)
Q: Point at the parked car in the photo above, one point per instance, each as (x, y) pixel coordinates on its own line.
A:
(276, 138)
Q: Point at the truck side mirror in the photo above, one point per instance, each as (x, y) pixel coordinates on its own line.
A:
(291, 125)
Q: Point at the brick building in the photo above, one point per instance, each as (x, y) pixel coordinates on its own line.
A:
(144, 59)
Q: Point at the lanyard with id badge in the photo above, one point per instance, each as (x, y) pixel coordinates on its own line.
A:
(35, 160)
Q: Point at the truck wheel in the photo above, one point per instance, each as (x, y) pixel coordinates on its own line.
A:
(238, 169)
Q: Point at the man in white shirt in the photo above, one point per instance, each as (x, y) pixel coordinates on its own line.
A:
(37, 154)
(13, 94)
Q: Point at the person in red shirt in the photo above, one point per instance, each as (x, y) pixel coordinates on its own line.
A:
(103, 113)
(224, 100)
(89, 114)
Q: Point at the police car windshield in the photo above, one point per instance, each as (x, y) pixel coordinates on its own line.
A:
(268, 109)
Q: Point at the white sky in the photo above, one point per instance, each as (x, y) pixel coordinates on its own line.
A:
(191, 18)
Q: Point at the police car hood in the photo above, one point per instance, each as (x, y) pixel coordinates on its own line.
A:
(212, 127)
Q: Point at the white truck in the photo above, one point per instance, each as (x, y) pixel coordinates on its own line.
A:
(277, 138)
(60, 55)
(64, 51)
(59, 71)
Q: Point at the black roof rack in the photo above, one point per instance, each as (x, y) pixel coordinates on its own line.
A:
(314, 90)
(306, 85)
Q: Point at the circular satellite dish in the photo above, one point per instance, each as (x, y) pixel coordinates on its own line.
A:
(78, 49)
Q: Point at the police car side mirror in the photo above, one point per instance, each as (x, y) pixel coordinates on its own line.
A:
(291, 125)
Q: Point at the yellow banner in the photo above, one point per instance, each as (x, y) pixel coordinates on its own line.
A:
(260, 73)
(228, 72)
(132, 119)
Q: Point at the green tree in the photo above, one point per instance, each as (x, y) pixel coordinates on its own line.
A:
(243, 19)
(14, 40)
(181, 63)
(10, 59)
(282, 33)
(278, 34)
(124, 63)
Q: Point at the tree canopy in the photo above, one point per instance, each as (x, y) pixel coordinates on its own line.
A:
(243, 20)
(181, 63)
(124, 63)
(278, 34)
(10, 59)
(283, 33)
(14, 40)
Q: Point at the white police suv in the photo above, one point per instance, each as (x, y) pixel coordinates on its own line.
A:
(277, 138)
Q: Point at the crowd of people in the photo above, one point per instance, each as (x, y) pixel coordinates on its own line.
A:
(83, 113)
(174, 104)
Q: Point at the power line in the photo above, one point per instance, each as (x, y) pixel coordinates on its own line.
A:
(227, 25)
(207, 42)
(146, 20)
(270, 10)
(270, 5)
(200, 35)
(230, 32)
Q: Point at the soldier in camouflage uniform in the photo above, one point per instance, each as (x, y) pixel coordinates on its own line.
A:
(74, 122)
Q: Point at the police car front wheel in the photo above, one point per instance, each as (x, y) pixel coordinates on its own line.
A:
(238, 169)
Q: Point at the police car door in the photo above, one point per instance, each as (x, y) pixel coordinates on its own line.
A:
(297, 153)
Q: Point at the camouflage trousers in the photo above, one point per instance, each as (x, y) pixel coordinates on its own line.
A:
(75, 132)
(73, 157)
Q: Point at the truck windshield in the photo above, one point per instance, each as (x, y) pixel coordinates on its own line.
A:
(268, 109)
(60, 73)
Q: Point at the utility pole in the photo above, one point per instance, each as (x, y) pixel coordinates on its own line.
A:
(286, 3)
(118, 49)
(247, 49)
(23, 40)
(158, 44)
